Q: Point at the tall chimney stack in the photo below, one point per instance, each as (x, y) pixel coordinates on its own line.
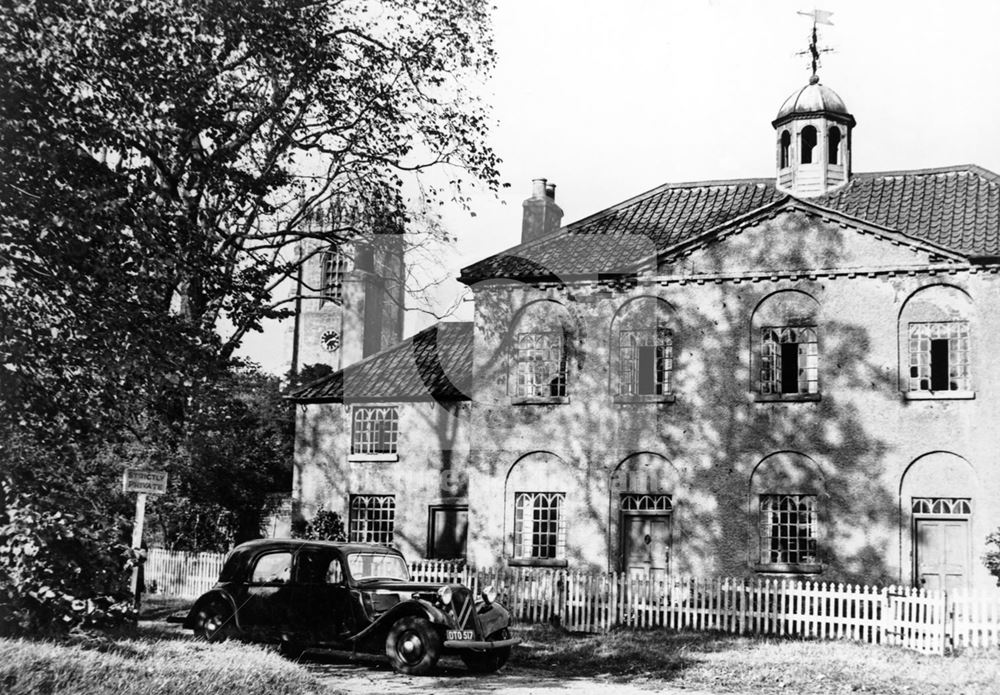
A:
(541, 214)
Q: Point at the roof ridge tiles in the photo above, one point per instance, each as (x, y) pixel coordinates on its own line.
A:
(663, 188)
(930, 171)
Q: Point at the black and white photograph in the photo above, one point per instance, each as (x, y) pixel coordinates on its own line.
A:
(504, 347)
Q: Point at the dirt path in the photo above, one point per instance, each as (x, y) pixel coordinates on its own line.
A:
(365, 674)
(368, 675)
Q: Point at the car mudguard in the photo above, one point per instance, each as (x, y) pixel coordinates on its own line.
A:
(492, 618)
(208, 597)
(419, 607)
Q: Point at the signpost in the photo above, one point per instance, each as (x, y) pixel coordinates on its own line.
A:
(144, 483)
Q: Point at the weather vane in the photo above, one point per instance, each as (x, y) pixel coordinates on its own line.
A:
(818, 17)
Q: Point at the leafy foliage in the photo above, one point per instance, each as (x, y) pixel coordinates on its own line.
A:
(57, 570)
(237, 452)
(326, 525)
(162, 159)
(63, 564)
(991, 558)
(202, 139)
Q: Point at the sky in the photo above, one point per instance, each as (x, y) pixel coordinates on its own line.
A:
(610, 99)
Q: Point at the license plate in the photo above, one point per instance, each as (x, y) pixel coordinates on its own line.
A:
(460, 634)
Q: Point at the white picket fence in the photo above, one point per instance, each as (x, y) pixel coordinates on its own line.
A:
(179, 573)
(974, 619)
(926, 620)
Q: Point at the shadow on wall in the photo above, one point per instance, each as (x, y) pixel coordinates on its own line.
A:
(714, 432)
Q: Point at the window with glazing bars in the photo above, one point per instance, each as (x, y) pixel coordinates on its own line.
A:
(942, 506)
(373, 519)
(376, 430)
(640, 502)
(539, 528)
(788, 529)
(789, 360)
(539, 364)
(939, 356)
(646, 358)
(335, 265)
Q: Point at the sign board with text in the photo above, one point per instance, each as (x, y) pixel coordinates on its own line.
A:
(148, 482)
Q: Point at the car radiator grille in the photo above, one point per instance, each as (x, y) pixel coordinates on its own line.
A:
(463, 606)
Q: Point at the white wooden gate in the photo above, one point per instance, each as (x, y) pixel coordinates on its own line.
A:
(914, 618)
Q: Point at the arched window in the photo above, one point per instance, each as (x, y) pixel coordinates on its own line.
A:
(787, 529)
(540, 344)
(373, 519)
(935, 344)
(539, 525)
(787, 492)
(541, 496)
(642, 350)
(807, 142)
(833, 141)
(375, 430)
(786, 347)
(786, 143)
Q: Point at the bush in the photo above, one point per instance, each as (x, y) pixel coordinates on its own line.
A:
(325, 526)
(59, 570)
(991, 558)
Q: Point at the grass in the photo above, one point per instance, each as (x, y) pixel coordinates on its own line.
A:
(155, 659)
(148, 662)
(725, 663)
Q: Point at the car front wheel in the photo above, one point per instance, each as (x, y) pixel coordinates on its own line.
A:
(413, 646)
(214, 623)
(488, 661)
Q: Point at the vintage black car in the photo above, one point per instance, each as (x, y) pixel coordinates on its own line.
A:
(304, 594)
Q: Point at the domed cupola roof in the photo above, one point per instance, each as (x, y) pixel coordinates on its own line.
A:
(813, 100)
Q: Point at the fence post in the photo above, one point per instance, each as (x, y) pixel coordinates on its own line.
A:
(944, 621)
(884, 612)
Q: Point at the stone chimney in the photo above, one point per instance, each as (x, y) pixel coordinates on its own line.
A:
(541, 214)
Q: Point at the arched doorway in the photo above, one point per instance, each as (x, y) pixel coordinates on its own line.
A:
(642, 498)
(936, 505)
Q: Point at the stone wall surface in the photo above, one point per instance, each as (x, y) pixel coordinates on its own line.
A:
(863, 446)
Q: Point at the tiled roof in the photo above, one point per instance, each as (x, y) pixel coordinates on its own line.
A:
(434, 364)
(955, 207)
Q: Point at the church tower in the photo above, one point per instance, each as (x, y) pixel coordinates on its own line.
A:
(813, 132)
(350, 296)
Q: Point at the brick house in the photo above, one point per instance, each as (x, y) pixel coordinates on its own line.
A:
(788, 376)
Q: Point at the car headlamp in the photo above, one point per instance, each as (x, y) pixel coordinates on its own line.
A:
(444, 593)
(489, 595)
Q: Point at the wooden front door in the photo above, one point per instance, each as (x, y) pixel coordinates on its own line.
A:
(646, 546)
(941, 551)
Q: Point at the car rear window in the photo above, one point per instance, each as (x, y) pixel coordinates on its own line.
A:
(273, 568)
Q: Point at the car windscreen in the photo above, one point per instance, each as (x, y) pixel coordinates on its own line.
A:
(377, 566)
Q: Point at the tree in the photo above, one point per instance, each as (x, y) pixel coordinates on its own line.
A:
(225, 129)
(162, 158)
(237, 452)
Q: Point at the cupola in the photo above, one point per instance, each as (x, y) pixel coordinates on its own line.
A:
(813, 138)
